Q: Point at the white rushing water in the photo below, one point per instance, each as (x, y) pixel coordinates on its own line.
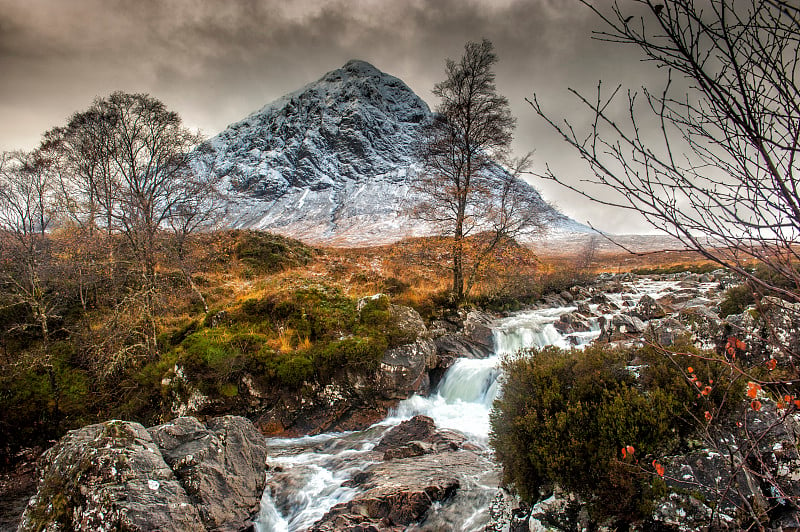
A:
(307, 474)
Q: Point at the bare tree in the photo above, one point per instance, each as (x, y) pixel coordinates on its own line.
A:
(149, 154)
(464, 188)
(721, 173)
(125, 166)
(200, 208)
(711, 158)
(27, 272)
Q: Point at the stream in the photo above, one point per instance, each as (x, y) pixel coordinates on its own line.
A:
(308, 475)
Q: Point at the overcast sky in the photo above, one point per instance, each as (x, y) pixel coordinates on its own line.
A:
(217, 61)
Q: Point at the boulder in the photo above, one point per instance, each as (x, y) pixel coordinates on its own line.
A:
(472, 338)
(418, 428)
(572, 322)
(182, 475)
(666, 332)
(109, 476)
(705, 491)
(677, 299)
(561, 511)
(700, 479)
(781, 319)
(404, 369)
(622, 327)
(220, 466)
(647, 309)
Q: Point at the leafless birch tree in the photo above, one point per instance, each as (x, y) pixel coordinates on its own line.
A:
(464, 188)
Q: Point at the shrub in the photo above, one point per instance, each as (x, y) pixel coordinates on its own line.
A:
(270, 253)
(357, 353)
(295, 370)
(565, 415)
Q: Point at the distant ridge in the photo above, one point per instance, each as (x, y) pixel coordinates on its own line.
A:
(332, 162)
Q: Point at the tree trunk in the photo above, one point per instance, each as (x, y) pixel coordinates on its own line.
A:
(458, 261)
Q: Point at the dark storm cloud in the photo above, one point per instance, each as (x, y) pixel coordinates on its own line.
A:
(216, 61)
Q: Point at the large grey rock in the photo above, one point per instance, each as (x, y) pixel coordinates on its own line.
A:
(647, 309)
(178, 476)
(572, 322)
(220, 466)
(666, 332)
(561, 511)
(404, 369)
(109, 476)
(621, 327)
(749, 467)
(472, 338)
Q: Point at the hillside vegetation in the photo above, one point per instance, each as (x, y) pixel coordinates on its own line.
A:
(278, 310)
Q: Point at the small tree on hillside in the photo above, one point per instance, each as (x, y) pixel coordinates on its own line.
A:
(464, 189)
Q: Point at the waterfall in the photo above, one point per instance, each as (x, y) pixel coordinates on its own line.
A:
(314, 469)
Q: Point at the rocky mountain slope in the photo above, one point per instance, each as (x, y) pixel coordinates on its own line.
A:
(333, 162)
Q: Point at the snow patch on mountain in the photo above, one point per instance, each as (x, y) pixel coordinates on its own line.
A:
(333, 162)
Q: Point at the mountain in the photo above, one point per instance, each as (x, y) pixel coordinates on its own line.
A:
(332, 162)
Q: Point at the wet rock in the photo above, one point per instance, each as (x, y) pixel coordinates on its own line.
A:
(561, 511)
(404, 369)
(412, 448)
(607, 308)
(478, 330)
(401, 492)
(622, 327)
(472, 337)
(220, 466)
(677, 299)
(647, 309)
(418, 428)
(610, 287)
(599, 298)
(584, 309)
(572, 322)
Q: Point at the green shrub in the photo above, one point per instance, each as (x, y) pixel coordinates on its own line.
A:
(315, 313)
(565, 415)
(355, 353)
(295, 370)
(269, 253)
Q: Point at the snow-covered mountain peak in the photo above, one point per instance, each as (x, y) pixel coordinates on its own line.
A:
(332, 162)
